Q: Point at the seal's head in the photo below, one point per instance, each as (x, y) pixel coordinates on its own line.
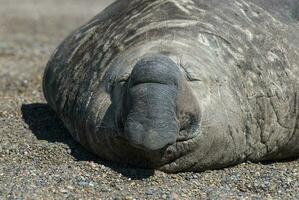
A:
(155, 111)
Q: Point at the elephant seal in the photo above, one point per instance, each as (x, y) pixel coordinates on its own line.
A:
(182, 85)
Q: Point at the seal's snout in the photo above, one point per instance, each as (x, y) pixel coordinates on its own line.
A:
(151, 122)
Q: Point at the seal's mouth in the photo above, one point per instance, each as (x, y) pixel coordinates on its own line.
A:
(169, 155)
(175, 157)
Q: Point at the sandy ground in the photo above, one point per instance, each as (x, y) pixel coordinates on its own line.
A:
(39, 159)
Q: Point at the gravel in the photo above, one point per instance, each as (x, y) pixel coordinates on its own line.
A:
(39, 159)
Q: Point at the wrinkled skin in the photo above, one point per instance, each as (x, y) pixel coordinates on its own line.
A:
(182, 85)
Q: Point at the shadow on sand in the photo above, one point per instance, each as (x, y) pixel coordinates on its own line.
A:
(45, 125)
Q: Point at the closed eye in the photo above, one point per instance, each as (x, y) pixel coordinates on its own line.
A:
(116, 81)
(189, 75)
(123, 78)
(191, 78)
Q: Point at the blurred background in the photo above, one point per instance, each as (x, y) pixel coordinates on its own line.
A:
(45, 18)
(29, 32)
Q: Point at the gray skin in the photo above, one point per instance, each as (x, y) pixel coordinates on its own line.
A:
(182, 85)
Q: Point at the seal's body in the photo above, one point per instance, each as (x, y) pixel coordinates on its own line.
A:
(182, 85)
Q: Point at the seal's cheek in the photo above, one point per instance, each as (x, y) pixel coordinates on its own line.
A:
(188, 111)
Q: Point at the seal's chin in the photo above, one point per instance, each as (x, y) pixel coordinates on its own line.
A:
(175, 158)
(166, 159)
